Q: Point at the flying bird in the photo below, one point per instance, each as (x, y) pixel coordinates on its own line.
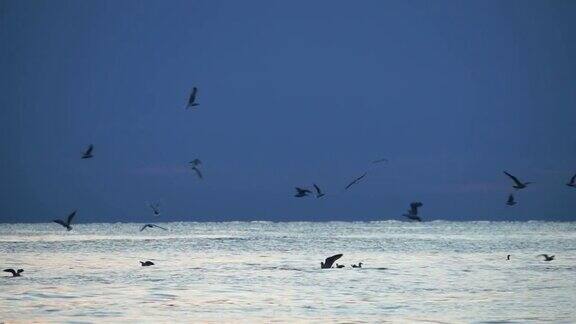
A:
(511, 201)
(327, 264)
(355, 181)
(198, 173)
(517, 183)
(155, 208)
(147, 263)
(15, 273)
(192, 98)
(319, 192)
(359, 265)
(380, 160)
(301, 192)
(67, 222)
(151, 226)
(413, 212)
(547, 257)
(88, 153)
(572, 182)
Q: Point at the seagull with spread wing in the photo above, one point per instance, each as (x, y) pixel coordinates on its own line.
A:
(67, 222)
(327, 264)
(355, 181)
(151, 226)
(88, 153)
(517, 183)
(301, 192)
(15, 273)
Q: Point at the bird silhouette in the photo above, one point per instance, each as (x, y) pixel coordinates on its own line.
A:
(319, 192)
(511, 201)
(151, 226)
(572, 182)
(192, 98)
(547, 257)
(15, 273)
(517, 183)
(327, 264)
(147, 263)
(67, 222)
(355, 181)
(413, 211)
(300, 192)
(359, 265)
(88, 153)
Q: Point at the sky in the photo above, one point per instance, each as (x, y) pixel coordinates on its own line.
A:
(291, 93)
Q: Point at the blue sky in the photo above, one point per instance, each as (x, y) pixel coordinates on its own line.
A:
(291, 93)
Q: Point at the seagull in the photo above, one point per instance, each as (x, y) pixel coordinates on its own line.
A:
(15, 273)
(327, 264)
(355, 181)
(67, 222)
(301, 192)
(511, 201)
(151, 226)
(359, 265)
(318, 191)
(508, 257)
(547, 257)
(155, 208)
(517, 183)
(192, 99)
(88, 153)
(572, 182)
(339, 266)
(198, 173)
(380, 160)
(147, 263)
(413, 212)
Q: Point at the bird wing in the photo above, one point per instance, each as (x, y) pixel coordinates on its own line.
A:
(61, 222)
(89, 150)
(197, 172)
(10, 270)
(160, 227)
(544, 255)
(356, 180)
(144, 227)
(330, 260)
(70, 217)
(317, 189)
(573, 179)
(513, 178)
(193, 95)
(511, 198)
(302, 191)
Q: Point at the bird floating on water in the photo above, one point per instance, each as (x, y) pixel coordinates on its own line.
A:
(339, 266)
(508, 257)
(547, 257)
(192, 99)
(319, 192)
(151, 226)
(413, 211)
(300, 192)
(355, 181)
(327, 264)
(88, 153)
(517, 183)
(572, 182)
(359, 265)
(511, 201)
(15, 273)
(147, 263)
(67, 222)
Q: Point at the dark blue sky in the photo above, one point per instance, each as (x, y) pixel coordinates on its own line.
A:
(290, 92)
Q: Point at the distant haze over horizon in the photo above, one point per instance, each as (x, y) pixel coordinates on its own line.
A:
(290, 94)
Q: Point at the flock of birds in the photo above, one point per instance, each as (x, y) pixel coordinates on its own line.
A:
(411, 214)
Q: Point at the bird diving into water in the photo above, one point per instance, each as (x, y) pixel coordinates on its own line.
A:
(147, 263)
(413, 211)
(511, 201)
(572, 182)
(192, 98)
(88, 153)
(15, 273)
(355, 181)
(67, 222)
(327, 264)
(319, 192)
(151, 226)
(359, 265)
(301, 192)
(517, 183)
(547, 257)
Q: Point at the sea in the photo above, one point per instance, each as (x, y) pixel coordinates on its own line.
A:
(263, 272)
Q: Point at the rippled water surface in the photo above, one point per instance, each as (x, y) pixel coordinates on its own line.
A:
(263, 271)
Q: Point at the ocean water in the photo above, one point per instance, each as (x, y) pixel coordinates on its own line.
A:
(449, 272)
